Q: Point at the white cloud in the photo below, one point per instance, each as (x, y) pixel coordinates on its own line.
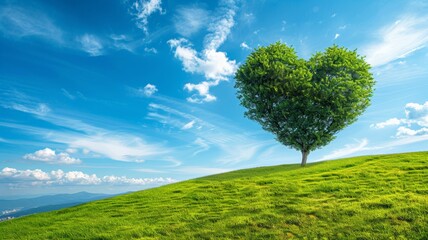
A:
(136, 181)
(398, 40)
(80, 178)
(38, 177)
(13, 173)
(124, 42)
(38, 109)
(220, 29)
(347, 150)
(190, 20)
(231, 143)
(203, 91)
(148, 90)
(336, 36)
(406, 132)
(91, 44)
(151, 50)
(416, 116)
(210, 62)
(244, 46)
(119, 147)
(67, 94)
(387, 123)
(203, 144)
(71, 150)
(400, 142)
(78, 134)
(20, 22)
(143, 9)
(188, 125)
(49, 156)
(417, 113)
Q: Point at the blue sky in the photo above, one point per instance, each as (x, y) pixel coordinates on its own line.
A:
(114, 96)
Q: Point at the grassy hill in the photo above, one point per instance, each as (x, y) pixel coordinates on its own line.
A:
(370, 197)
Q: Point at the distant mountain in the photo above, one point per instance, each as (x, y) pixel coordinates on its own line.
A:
(26, 206)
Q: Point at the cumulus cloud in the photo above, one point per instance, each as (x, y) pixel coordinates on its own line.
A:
(148, 90)
(416, 117)
(91, 44)
(418, 113)
(244, 46)
(397, 40)
(213, 64)
(13, 173)
(189, 20)
(136, 181)
(142, 9)
(38, 177)
(203, 89)
(405, 132)
(387, 123)
(50, 156)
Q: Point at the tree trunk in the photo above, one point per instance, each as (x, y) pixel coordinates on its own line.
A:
(304, 158)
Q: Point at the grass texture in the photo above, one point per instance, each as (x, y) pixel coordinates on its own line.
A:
(369, 197)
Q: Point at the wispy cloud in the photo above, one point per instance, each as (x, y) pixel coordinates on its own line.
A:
(37, 177)
(336, 36)
(188, 125)
(48, 155)
(348, 149)
(16, 100)
(230, 142)
(150, 50)
(202, 144)
(76, 133)
(201, 170)
(244, 46)
(397, 40)
(210, 62)
(91, 44)
(122, 42)
(68, 94)
(189, 20)
(23, 22)
(142, 9)
(397, 142)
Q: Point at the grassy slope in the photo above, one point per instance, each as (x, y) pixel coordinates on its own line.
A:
(372, 197)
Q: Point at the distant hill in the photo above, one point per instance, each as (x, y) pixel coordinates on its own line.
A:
(26, 206)
(369, 197)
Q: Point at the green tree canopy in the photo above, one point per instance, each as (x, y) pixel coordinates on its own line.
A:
(304, 103)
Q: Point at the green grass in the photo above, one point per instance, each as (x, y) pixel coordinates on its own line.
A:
(370, 197)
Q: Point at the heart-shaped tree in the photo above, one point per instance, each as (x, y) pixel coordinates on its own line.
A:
(304, 103)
